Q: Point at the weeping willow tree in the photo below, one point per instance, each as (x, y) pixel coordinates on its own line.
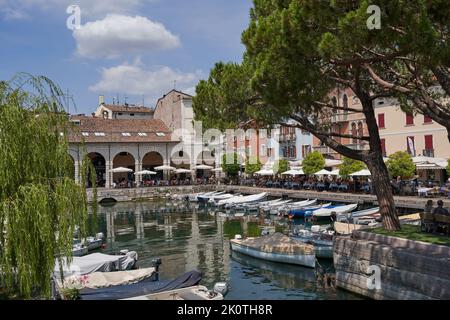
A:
(40, 203)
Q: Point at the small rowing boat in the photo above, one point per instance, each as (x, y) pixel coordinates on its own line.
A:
(277, 248)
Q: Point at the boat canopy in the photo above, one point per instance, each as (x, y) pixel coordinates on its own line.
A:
(97, 262)
(145, 287)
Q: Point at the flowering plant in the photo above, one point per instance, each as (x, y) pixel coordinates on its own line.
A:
(73, 286)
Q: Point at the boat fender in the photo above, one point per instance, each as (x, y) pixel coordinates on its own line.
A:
(221, 287)
(238, 237)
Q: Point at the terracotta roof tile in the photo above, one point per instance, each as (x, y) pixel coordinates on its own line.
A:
(111, 130)
(119, 108)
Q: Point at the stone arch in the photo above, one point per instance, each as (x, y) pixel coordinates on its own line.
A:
(151, 160)
(99, 163)
(126, 160)
(180, 157)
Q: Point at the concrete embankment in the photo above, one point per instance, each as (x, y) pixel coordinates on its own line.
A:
(133, 194)
(408, 269)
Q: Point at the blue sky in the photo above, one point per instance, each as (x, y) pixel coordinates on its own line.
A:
(132, 48)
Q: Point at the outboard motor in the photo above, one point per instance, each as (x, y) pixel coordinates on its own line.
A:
(221, 287)
(100, 236)
(155, 264)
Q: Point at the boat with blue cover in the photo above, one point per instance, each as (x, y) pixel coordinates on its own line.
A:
(306, 211)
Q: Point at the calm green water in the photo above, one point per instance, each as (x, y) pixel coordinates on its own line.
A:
(187, 237)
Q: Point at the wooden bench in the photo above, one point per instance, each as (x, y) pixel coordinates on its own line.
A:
(443, 222)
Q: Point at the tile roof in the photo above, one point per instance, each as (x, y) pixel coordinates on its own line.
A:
(121, 108)
(113, 130)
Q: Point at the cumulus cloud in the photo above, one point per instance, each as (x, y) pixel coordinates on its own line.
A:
(117, 35)
(136, 79)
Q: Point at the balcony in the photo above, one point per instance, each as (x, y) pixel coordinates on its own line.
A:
(428, 153)
(324, 149)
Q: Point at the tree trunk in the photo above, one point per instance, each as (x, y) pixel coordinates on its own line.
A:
(383, 190)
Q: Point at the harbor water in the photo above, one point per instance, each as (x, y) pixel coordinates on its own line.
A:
(187, 236)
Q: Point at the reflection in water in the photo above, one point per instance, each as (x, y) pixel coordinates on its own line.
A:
(188, 237)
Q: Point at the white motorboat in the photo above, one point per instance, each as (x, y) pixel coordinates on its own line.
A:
(79, 250)
(190, 293)
(206, 196)
(242, 199)
(254, 206)
(362, 214)
(277, 248)
(327, 212)
(284, 209)
(215, 199)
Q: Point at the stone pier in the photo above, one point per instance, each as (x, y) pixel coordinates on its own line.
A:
(407, 269)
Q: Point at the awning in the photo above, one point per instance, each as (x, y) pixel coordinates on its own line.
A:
(293, 173)
(121, 170)
(165, 168)
(323, 172)
(265, 172)
(361, 173)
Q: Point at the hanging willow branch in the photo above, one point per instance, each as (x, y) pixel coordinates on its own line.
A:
(40, 203)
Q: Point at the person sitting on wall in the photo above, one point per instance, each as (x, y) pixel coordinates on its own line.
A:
(440, 209)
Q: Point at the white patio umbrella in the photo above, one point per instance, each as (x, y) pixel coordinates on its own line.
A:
(361, 173)
(265, 172)
(322, 172)
(145, 172)
(335, 173)
(183, 171)
(203, 167)
(217, 170)
(165, 168)
(121, 170)
(294, 172)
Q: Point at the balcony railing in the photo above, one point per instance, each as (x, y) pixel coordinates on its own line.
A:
(428, 153)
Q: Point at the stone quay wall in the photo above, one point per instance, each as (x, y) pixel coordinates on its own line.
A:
(408, 269)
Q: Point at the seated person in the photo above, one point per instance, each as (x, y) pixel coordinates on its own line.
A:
(440, 209)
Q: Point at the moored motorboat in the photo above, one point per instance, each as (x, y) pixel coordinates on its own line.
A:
(295, 206)
(189, 293)
(322, 242)
(203, 198)
(326, 212)
(277, 248)
(306, 211)
(142, 288)
(228, 203)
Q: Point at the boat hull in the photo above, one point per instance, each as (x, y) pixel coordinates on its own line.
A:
(307, 260)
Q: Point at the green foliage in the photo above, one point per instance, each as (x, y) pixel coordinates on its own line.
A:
(231, 164)
(401, 164)
(280, 166)
(313, 162)
(252, 165)
(448, 167)
(350, 166)
(40, 203)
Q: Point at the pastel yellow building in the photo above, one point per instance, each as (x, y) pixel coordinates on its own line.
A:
(416, 134)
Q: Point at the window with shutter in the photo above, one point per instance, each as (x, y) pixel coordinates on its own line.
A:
(381, 121)
(409, 119)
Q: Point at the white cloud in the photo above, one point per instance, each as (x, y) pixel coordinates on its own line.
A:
(117, 35)
(135, 79)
